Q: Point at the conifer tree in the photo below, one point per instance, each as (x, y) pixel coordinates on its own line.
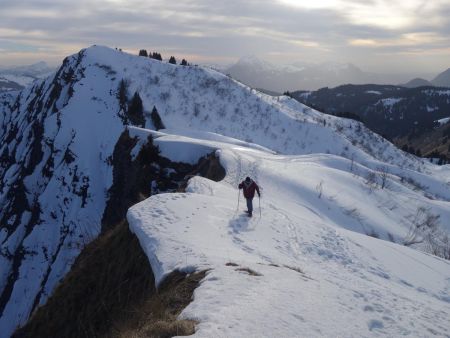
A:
(156, 119)
(122, 94)
(143, 52)
(135, 111)
(149, 152)
(156, 56)
(172, 60)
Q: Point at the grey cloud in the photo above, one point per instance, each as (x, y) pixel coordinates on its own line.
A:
(227, 28)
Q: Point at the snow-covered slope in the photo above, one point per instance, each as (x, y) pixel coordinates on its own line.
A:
(296, 269)
(57, 138)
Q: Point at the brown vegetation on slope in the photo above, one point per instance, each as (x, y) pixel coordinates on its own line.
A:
(110, 292)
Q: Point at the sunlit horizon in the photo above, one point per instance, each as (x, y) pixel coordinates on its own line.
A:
(377, 36)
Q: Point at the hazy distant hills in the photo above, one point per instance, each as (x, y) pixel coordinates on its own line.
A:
(417, 82)
(7, 85)
(441, 80)
(258, 73)
(279, 78)
(16, 78)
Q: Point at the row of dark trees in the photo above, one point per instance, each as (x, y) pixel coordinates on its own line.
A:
(157, 56)
(442, 159)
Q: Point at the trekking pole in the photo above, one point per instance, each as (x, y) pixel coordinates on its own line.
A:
(239, 196)
(259, 199)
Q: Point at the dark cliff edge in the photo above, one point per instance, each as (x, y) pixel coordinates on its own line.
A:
(110, 290)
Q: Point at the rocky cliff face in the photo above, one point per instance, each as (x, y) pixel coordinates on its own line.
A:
(54, 176)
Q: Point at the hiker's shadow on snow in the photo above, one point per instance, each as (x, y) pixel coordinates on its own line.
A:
(240, 223)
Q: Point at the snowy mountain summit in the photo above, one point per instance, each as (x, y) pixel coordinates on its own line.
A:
(343, 242)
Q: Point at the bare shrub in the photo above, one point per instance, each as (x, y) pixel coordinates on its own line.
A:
(438, 244)
(371, 180)
(352, 162)
(319, 189)
(423, 224)
(355, 214)
(416, 185)
(383, 174)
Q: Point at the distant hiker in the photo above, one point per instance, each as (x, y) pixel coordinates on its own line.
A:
(249, 186)
(154, 188)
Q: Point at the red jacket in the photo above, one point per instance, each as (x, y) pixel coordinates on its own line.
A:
(249, 189)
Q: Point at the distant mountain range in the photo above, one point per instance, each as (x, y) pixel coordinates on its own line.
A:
(19, 77)
(407, 116)
(258, 73)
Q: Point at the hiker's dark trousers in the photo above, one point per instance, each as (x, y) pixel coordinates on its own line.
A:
(250, 205)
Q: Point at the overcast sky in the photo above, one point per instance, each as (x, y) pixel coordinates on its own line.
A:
(377, 35)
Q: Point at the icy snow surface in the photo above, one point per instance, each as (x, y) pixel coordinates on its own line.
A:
(314, 278)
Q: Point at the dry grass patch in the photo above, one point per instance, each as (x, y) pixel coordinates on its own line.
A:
(110, 292)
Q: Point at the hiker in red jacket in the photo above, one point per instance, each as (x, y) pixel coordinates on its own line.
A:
(249, 186)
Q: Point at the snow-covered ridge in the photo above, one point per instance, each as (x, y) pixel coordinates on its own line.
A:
(297, 263)
(57, 138)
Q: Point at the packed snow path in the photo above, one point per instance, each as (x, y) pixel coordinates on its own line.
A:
(294, 271)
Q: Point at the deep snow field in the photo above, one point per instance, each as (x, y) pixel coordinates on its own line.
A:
(309, 275)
